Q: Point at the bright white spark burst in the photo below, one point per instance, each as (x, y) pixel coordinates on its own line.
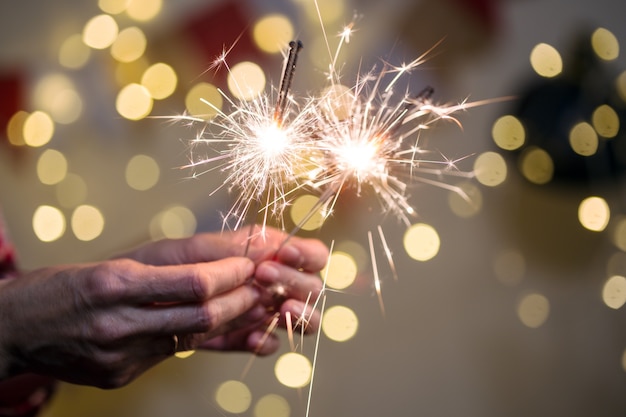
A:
(354, 137)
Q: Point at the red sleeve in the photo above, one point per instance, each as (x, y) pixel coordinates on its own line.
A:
(24, 395)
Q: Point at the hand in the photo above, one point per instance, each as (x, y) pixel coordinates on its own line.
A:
(104, 324)
(286, 269)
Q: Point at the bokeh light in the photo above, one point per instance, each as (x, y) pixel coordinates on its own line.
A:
(246, 80)
(160, 80)
(51, 167)
(605, 44)
(272, 405)
(508, 133)
(142, 172)
(341, 270)
(56, 95)
(546, 60)
(113, 6)
(509, 267)
(421, 242)
(272, 33)
(618, 234)
(38, 129)
(144, 10)
(73, 53)
(583, 139)
(605, 121)
(173, 223)
(130, 45)
(329, 10)
(301, 209)
(340, 323)
(87, 223)
(15, 128)
(184, 354)
(357, 252)
(533, 310)
(490, 169)
(614, 292)
(48, 223)
(466, 201)
(72, 191)
(594, 213)
(233, 396)
(203, 91)
(134, 102)
(293, 370)
(536, 165)
(100, 32)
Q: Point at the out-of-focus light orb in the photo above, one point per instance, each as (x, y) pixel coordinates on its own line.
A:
(594, 213)
(184, 354)
(134, 102)
(421, 242)
(73, 53)
(341, 270)
(618, 235)
(48, 223)
(546, 60)
(173, 223)
(130, 45)
(272, 33)
(614, 292)
(87, 223)
(72, 191)
(605, 44)
(142, 172)
(293, 370)
(272, 405)
(15, 128)
(144, 10)
(197, 107)
(160, 80)
(51, 167)
(490, 169)
(67, 107)
(55, 94)
(301, 209)
(583, 139)
(508, 133)
(329, 10)
(509, 267)
(536, 165)
(466, 201)
(100, 32)
(533, 310)
(605, 121)
(356, 251)
(113, 6)
(620, 85)
(340, 323)
(38, 129)
(233, 396)
(246, 80)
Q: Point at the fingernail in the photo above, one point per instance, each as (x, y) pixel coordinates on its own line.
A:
(291, 255)
(268, 272)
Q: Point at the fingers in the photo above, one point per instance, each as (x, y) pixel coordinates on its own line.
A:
(291, 282)
(141, 284)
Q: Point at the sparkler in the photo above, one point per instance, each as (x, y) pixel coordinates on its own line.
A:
(365, 138)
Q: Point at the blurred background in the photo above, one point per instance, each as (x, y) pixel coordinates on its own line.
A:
(510, 305)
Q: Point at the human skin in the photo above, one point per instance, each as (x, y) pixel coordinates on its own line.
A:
(103, 324)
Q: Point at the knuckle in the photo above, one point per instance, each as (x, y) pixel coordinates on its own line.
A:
(208, 316)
